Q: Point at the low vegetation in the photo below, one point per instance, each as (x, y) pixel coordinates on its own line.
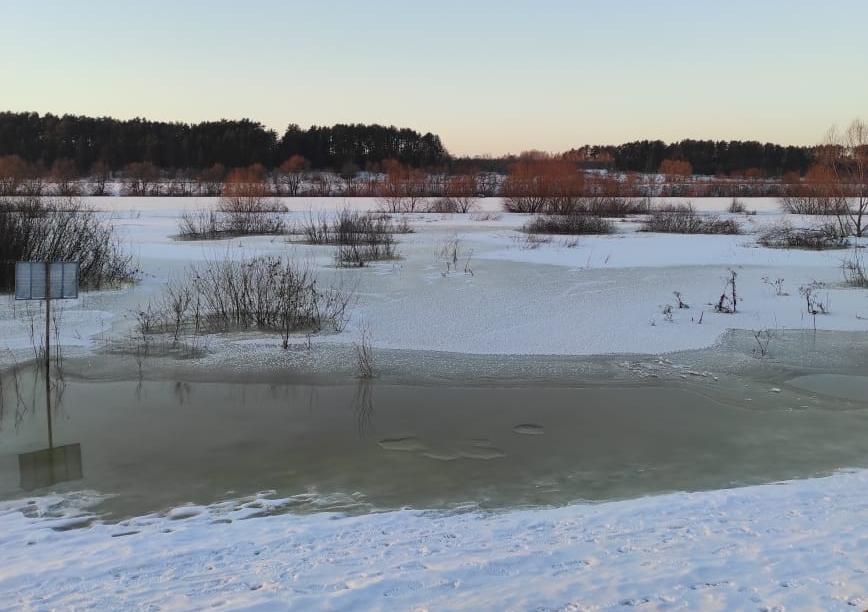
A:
(39, 229)
(763, 338)
(784, 236)
(683, 219)
(359, 254)
(737, 207)
(813, 205)
(569, 224)
(455, 257)
(235, 215)
(532, 242)
(613, 206)
(364, 355)
(815, 302)
(452, 205)
(728, 301)
(360, 237)
(855, 274)
(600, 206)
(260, 293)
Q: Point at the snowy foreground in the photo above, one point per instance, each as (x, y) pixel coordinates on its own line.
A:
(797, 545)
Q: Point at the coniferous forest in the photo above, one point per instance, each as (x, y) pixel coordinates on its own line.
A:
(87, 140)
(45, 139)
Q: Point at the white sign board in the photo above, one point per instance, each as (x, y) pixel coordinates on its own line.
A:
(30, 281)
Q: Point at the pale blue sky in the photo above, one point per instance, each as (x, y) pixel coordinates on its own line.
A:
(488, 76)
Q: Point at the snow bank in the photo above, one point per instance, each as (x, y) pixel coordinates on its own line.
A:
(797, 544)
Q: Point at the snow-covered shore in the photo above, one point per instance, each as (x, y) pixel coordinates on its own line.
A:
(796, 545)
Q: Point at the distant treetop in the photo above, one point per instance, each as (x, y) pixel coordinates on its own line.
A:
(44, 139)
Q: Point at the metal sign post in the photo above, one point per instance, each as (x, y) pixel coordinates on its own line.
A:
(43, 280)
(48, 353)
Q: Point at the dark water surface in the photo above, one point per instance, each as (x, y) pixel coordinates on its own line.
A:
(357, 447)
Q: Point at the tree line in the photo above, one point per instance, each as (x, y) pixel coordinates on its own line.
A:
(712, 157)
(86, 141)
(82, 142)
(750, 159)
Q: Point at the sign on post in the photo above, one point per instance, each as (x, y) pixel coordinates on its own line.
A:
(38, 280)
(46, 281)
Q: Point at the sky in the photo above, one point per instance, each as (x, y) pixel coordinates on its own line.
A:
(488, 76)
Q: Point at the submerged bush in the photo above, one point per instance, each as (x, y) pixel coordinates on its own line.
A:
(683, 219)
(259, 293)
(358, 255)
(235, 216)
(348, 227)
(36, 229)
(359, 237)
(568, 224)
(828, 236)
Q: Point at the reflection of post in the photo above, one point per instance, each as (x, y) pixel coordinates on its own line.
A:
(48, 352)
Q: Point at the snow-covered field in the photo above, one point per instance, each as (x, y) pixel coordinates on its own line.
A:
(798, 544)
(601, 295)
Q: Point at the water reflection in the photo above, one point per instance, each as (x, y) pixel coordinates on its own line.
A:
(363, 406)
(49, 466)
(366, 444)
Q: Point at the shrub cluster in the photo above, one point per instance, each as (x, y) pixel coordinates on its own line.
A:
(855, 273)
(359, 237)
(683, 219)
(814, 205)
(234, 216)
(568, 224)
(452, 204)
(827, 236)
(601, 206)
(38, 229)
(261, 293)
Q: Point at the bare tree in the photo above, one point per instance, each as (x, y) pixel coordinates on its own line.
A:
(403, 189)
(64, 175)
(459, 195)
(846, 155)
(13, 172)
(291, 174)
(141, 179)
(209, 182)
(99, 175)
